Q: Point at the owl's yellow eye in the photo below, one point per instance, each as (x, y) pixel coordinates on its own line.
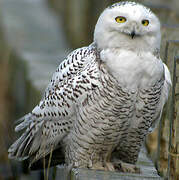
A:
(120, 19)
(145, 22)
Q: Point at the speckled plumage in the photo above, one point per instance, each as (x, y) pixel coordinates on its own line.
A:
(102, 100)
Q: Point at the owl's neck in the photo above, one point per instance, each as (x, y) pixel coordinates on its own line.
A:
(131, 69)
(121, 41)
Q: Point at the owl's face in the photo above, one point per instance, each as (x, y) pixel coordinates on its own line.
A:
(127, 25)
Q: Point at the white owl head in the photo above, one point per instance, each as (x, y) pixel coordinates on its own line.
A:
(128, 25)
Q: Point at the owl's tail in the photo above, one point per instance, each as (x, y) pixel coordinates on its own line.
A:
(19, 150)
(35, 143)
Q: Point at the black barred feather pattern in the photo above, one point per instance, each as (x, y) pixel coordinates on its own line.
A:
(89, 115)
(103, 99)
(117, 132)
(87, 112)
(52, 119)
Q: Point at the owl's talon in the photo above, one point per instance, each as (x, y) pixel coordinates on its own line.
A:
(126, 167)
(109, 166)
(98, 166)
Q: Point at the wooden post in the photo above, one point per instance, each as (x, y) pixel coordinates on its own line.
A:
(167, 150)
(173, 156)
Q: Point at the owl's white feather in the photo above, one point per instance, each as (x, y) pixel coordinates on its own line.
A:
(103, 98)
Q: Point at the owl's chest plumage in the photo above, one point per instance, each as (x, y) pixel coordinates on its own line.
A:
(133, 70)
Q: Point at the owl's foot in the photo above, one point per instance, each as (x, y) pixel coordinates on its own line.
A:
(126, 167)
(98, 166)
(108, 166)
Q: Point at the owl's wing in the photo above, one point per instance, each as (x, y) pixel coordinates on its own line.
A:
(51, 120)
(163, 97)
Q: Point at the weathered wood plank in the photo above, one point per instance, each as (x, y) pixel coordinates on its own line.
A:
(85, 174)
(147, 169)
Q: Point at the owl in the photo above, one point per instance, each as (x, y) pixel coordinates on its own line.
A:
(103, 99)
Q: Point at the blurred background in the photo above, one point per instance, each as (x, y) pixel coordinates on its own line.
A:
(36, 35)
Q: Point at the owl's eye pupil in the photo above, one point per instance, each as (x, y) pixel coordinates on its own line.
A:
(120, 19)
(145, 22)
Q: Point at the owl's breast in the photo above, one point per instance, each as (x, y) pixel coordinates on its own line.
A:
(133, 70)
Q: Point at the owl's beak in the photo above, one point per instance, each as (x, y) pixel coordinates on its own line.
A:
(132, 34)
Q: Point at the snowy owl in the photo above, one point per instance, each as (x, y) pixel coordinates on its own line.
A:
(103, 99)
